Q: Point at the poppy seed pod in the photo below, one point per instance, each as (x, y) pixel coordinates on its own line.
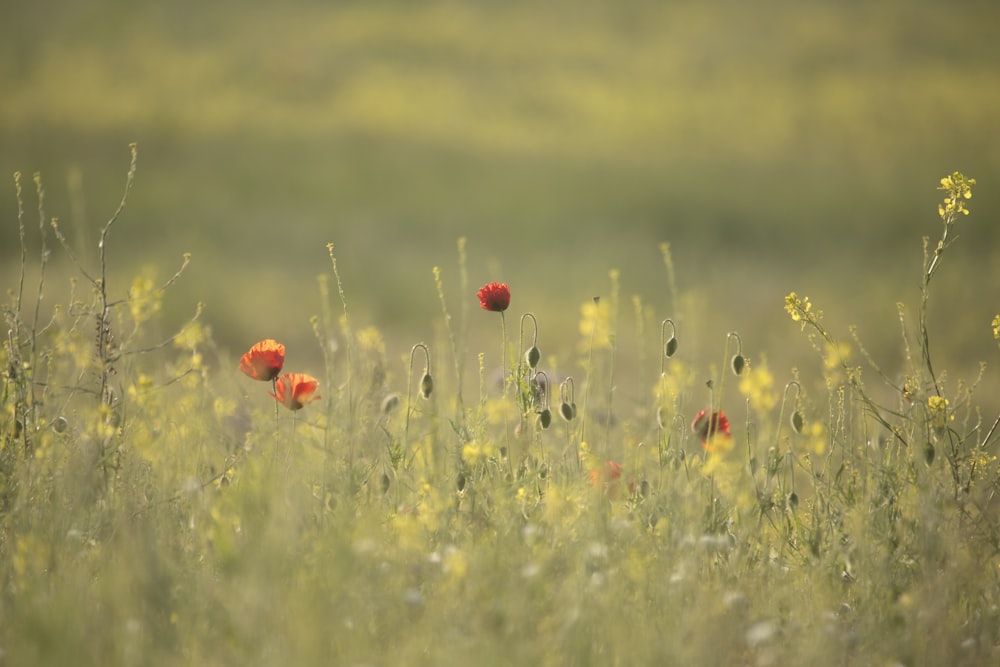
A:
(426, 385)
(670, 348)
(532, 357)
(738, 364)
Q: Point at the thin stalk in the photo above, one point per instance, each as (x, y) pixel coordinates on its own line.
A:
(503, 370)
(348, 344)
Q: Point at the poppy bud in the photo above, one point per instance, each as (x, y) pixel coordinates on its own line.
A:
(793, 500)
(460, 482)
(59, 424)
(567, 411)
(929, 453)
(385, 482)
(670, 348)
(738, 363)
(532, 356)
(798, 421)
(545, 418)
(389, 403)
(426, 385)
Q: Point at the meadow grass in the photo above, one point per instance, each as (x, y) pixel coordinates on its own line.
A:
(620, 501)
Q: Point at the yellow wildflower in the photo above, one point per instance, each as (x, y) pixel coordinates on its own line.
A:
(757, 384)
(370, 340)
(937, 409)
(836, 355)
(958, 189)
(800, 309)
(595, 323)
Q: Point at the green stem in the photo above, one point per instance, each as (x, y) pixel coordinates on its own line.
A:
(503, 371)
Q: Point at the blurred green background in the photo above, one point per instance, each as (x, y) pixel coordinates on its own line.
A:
(776, 146)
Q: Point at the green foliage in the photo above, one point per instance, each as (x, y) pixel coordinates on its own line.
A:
(156, 511)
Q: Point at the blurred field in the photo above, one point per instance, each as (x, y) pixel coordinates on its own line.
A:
(775, 146)
(156, 506)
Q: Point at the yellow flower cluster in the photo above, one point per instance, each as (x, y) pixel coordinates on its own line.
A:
(370, 340)
(800, 309)
(595, 326)
(474, 453)
(937, 407)
(958, 189)
(757, 384)
(996, 327)
(145, 299)
(837, 354)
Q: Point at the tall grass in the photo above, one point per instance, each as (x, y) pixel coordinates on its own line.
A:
(580, 510)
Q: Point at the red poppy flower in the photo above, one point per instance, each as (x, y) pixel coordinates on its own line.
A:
(296, 390)
(707, 427)
(264, 360)
(608, 473)
(494, 296)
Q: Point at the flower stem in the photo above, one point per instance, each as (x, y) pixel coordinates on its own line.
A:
(503, 371)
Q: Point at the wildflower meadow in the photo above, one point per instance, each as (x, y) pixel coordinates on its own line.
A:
(485, 499)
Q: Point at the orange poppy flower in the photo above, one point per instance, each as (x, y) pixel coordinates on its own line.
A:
(708, 427)
(494, 297)
(264, 360)
(608, 473)
(295, 390)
